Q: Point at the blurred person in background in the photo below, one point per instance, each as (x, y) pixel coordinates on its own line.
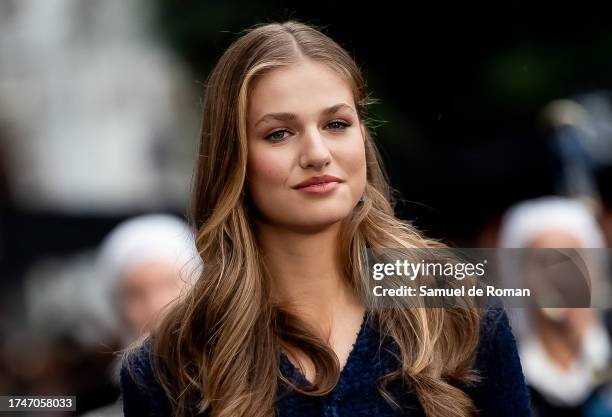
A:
(145, 263)
(565, 352)
(573, 167)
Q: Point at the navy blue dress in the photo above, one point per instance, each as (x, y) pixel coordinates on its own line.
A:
(502, 391)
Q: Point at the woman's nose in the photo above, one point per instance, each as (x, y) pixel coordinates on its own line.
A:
(314, 150)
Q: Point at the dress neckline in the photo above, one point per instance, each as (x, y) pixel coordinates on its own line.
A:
(298, 376)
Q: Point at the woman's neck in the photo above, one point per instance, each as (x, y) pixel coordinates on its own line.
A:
(306, 272)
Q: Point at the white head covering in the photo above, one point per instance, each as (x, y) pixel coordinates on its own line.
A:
(154, 237)
(526, 220)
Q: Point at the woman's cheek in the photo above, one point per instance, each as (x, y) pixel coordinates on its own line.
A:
(266, 172)
(352, 157)
(353, 162)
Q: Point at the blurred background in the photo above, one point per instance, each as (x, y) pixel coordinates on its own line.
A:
(479, 110)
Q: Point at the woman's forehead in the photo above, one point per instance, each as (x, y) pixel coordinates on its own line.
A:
(300, 87)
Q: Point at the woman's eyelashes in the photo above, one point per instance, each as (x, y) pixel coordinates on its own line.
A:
(277, 135)
(338, 125)
(281, 134)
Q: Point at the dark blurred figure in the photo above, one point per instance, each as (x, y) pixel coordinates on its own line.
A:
(567, 125)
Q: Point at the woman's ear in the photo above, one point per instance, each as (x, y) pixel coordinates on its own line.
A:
(362, 126)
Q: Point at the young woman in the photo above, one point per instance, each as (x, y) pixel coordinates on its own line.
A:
(289, 193)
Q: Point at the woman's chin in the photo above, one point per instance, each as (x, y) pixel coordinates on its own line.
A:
(320, 221)
(308, 217)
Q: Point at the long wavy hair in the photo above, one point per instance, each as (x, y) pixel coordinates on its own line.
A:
(217, 350)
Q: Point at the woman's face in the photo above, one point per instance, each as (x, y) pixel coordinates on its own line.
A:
(303, 126)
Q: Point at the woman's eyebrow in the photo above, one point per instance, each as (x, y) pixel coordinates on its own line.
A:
(336, 107)
(284, 117)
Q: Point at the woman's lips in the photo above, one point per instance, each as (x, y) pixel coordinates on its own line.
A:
(319, 184)
(321, 188)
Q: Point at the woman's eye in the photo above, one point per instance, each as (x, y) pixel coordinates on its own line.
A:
(277, 136)
(338, 125)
